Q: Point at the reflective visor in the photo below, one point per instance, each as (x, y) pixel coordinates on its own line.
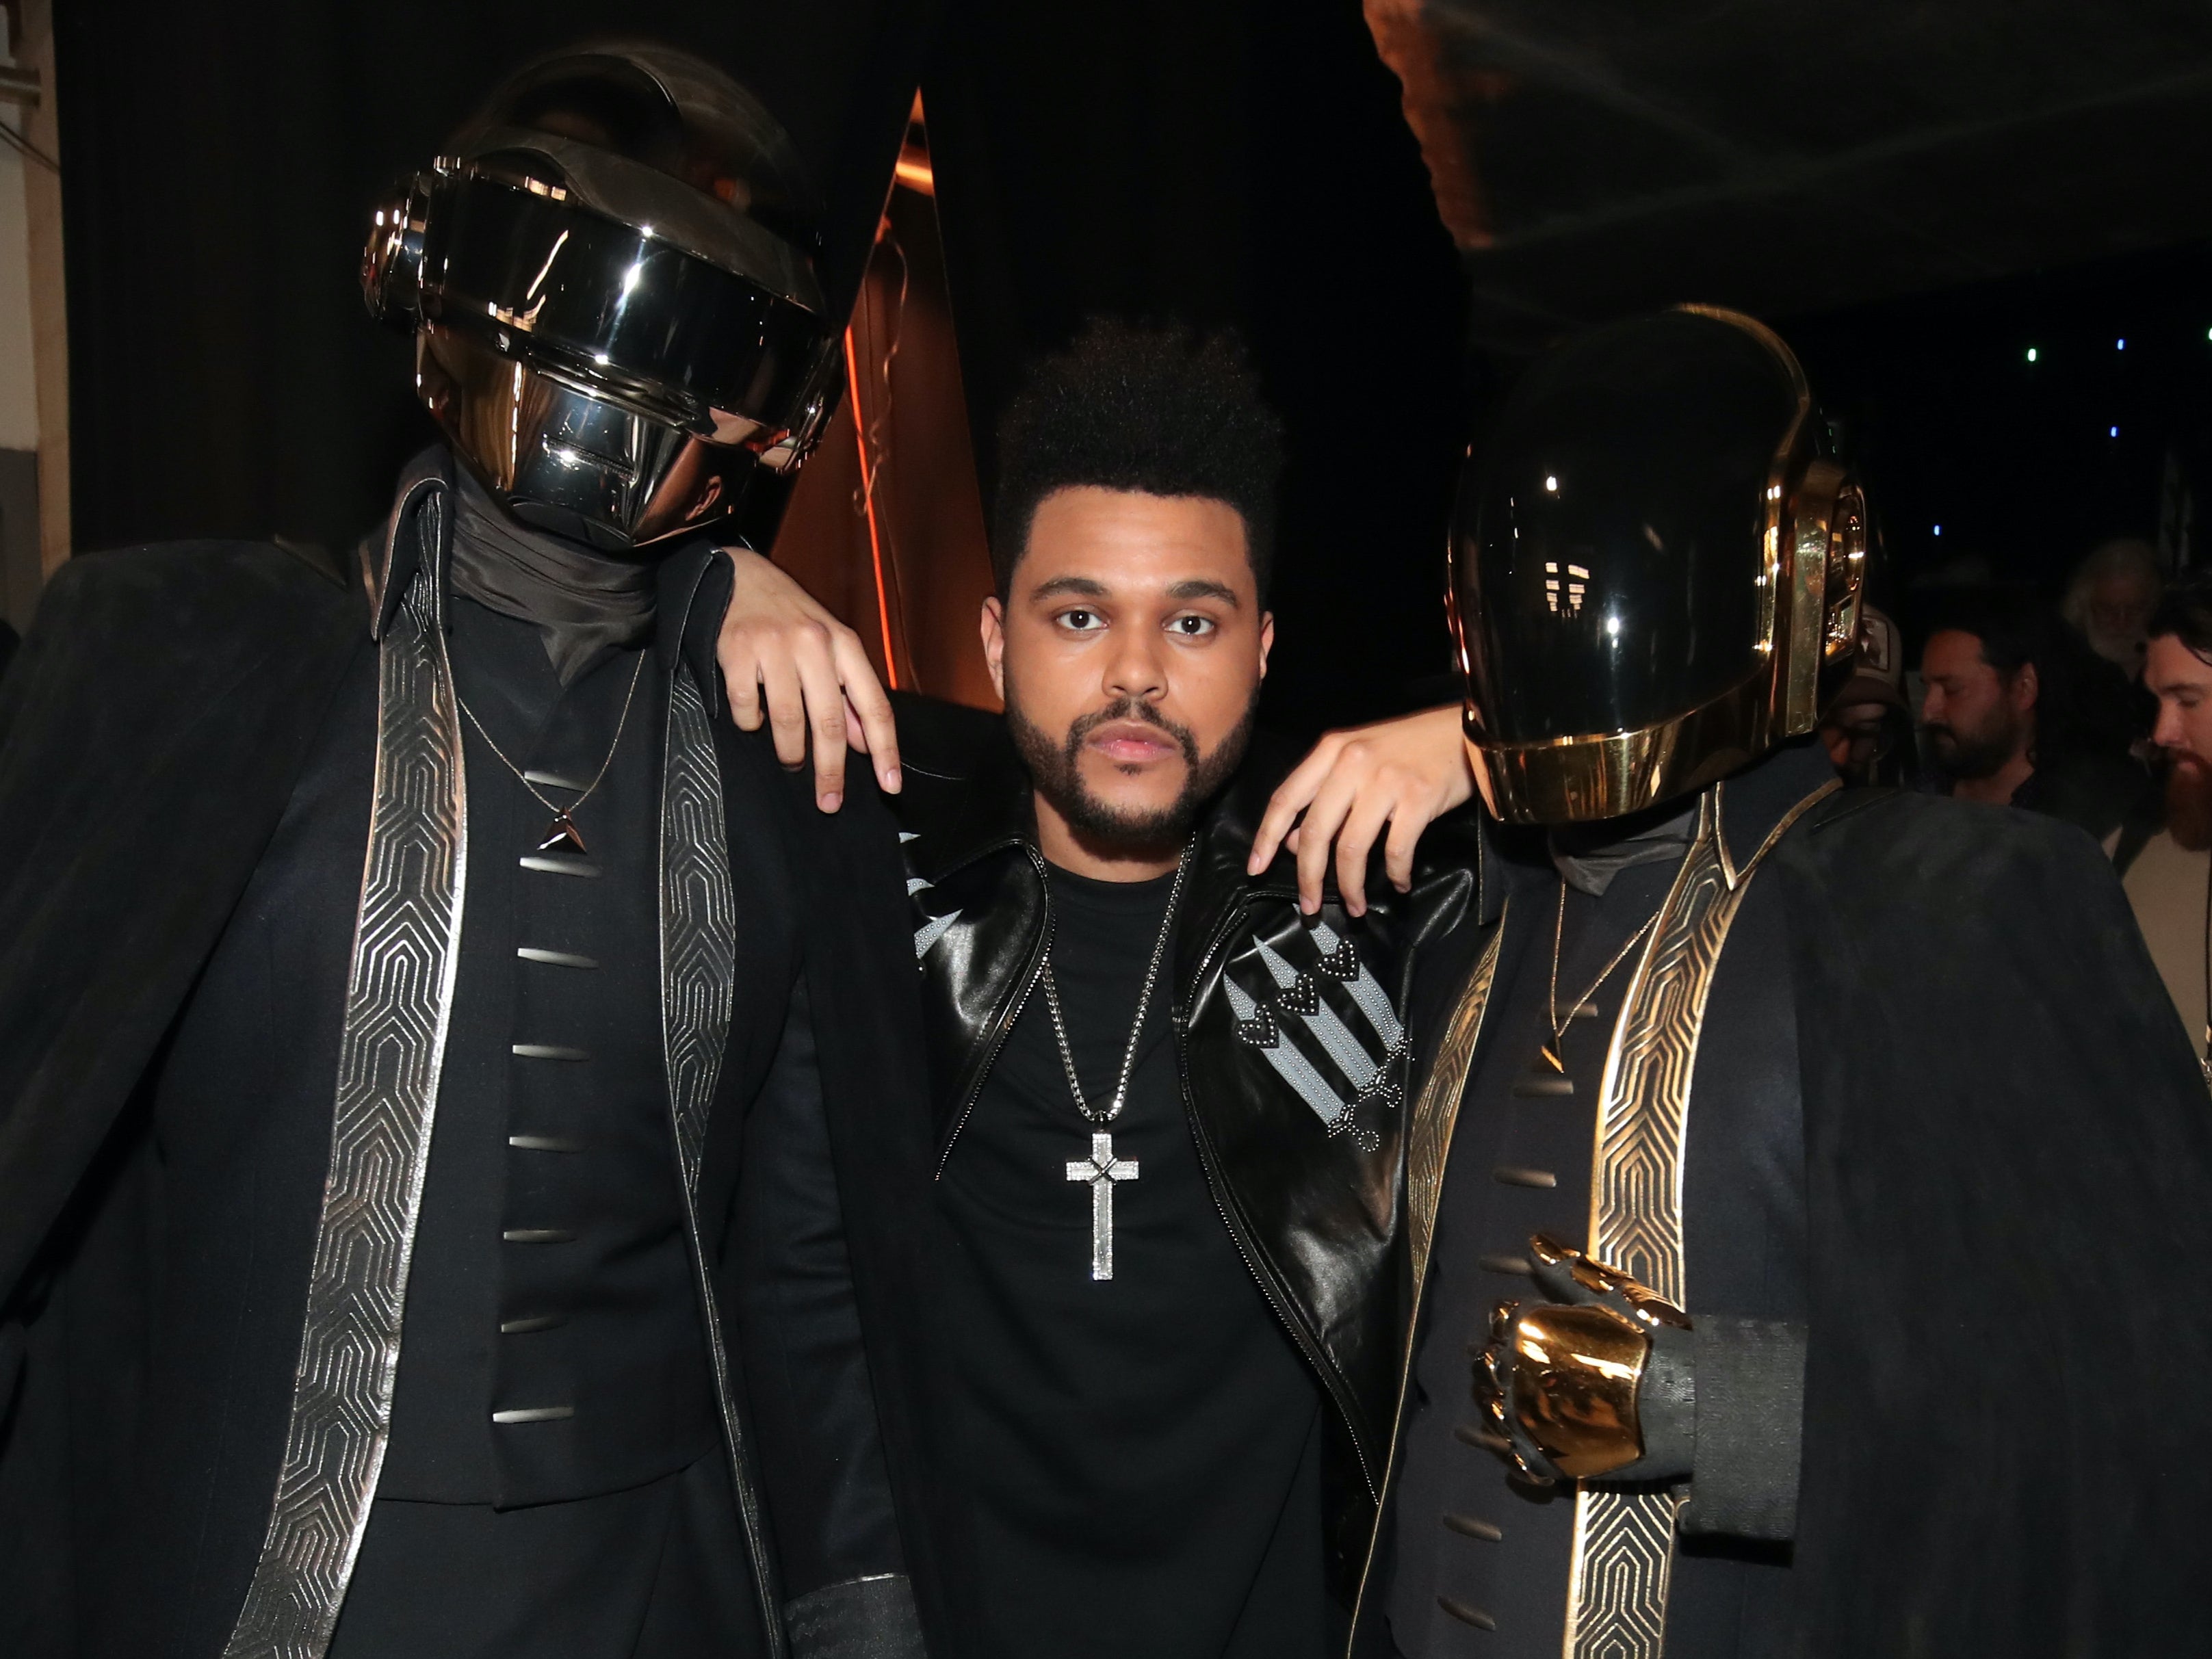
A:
(617, 311)
(1608, 549)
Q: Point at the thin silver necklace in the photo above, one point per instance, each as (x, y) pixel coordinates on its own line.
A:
(1101, 1169)
(564, 828)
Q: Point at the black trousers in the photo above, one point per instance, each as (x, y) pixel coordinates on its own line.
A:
(655, 1572)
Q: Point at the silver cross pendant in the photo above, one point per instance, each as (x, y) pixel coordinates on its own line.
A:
(1101, 1169)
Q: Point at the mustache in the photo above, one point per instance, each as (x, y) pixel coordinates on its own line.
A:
(1131, 708)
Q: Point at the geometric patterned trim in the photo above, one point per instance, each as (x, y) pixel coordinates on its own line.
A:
(399, 993)
(1624, 1545)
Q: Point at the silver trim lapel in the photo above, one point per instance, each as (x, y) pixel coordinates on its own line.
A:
(400, 992)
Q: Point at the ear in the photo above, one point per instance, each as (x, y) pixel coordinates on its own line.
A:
(1267, 640)
(2025, 688)
(992, 623)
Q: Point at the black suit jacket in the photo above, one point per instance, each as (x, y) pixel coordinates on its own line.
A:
(2008, 1178)
(150, 737)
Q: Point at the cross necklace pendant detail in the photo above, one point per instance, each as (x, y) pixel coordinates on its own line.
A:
(1103, 1171)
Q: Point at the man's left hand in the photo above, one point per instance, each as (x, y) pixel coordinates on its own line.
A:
(1405, 773)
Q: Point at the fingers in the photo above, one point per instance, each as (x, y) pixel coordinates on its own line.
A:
(787, 707)
(1368, 813)
(741, 676)
(1318, 836)
(825, 715)
(874, 729)
(1292, 797)
(1406, 829)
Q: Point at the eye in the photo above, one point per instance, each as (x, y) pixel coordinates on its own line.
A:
(1079, 621)
(1189, 626)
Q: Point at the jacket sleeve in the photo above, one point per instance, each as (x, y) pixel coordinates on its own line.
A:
(813, 1407)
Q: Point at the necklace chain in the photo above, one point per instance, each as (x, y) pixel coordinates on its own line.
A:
(1136, 1026)
(561, 813)
(1550, 1048)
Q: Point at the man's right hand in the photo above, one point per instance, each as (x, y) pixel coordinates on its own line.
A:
(788, 662)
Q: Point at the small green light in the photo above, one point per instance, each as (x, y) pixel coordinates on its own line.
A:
(2031, 354)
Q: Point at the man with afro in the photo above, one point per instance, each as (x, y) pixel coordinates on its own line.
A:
(1166, 1103)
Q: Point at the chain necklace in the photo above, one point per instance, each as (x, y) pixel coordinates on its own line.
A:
(564, 828)
(1101, 1169)
(1550, 1049)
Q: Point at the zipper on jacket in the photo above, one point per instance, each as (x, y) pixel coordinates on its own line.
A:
(1035, 972)
(1331, 1383)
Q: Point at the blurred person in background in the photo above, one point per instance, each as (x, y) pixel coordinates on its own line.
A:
(1867, 731)
(2170, 883)
(2110, 599)
(2014, 718)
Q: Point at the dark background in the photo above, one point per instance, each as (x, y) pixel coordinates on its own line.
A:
(1238, 161)
(220, 163)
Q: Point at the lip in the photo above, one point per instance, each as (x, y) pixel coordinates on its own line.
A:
(1132, 743)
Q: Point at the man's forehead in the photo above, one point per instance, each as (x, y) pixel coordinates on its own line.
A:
(2170, 664)
(1953, 648)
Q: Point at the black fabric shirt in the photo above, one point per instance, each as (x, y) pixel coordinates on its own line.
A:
(1146, 1448)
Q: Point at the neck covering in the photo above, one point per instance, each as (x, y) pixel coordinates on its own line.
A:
(1589, 863)
(581, 601)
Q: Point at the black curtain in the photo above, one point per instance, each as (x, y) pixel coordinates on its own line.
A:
(1236, 162)
(220, 163)
(1229, 161)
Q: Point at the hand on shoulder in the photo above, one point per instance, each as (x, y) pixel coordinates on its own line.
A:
(1400, 774)
(788, 662)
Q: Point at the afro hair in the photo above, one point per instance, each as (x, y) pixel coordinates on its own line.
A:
(1158, 410)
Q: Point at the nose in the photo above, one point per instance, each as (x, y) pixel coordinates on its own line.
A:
(1136, 665)
(1931, 705)
(2167, 733)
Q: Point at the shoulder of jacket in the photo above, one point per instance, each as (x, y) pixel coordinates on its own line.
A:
(168, 583)
(1906, 840)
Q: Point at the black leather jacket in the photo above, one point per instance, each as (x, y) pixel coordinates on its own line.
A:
(1293, 1057)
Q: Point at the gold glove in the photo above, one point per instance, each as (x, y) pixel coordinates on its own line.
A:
(1563, 1382)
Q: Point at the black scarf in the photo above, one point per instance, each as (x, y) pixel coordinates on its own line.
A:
(581, 600)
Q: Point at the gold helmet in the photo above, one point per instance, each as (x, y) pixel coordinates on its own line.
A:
(1655, 567)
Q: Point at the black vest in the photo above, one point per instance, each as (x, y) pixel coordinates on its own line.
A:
(552, 1347)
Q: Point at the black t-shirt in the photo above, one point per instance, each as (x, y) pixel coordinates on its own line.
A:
(1146, 1448)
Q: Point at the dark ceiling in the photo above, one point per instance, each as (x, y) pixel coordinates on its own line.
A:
(1788, 156)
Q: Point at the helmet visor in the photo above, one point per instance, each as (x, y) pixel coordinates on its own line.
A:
(1610, 558)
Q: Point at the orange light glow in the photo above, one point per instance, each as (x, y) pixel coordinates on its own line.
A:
(868, 506)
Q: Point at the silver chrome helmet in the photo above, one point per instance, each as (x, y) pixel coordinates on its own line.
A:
(610, 283)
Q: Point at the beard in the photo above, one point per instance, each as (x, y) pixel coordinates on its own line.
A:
(2189, 803)
(1969, 754)
(1055, 769)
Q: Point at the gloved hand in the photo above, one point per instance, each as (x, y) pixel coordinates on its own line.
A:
(1599, 1383)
